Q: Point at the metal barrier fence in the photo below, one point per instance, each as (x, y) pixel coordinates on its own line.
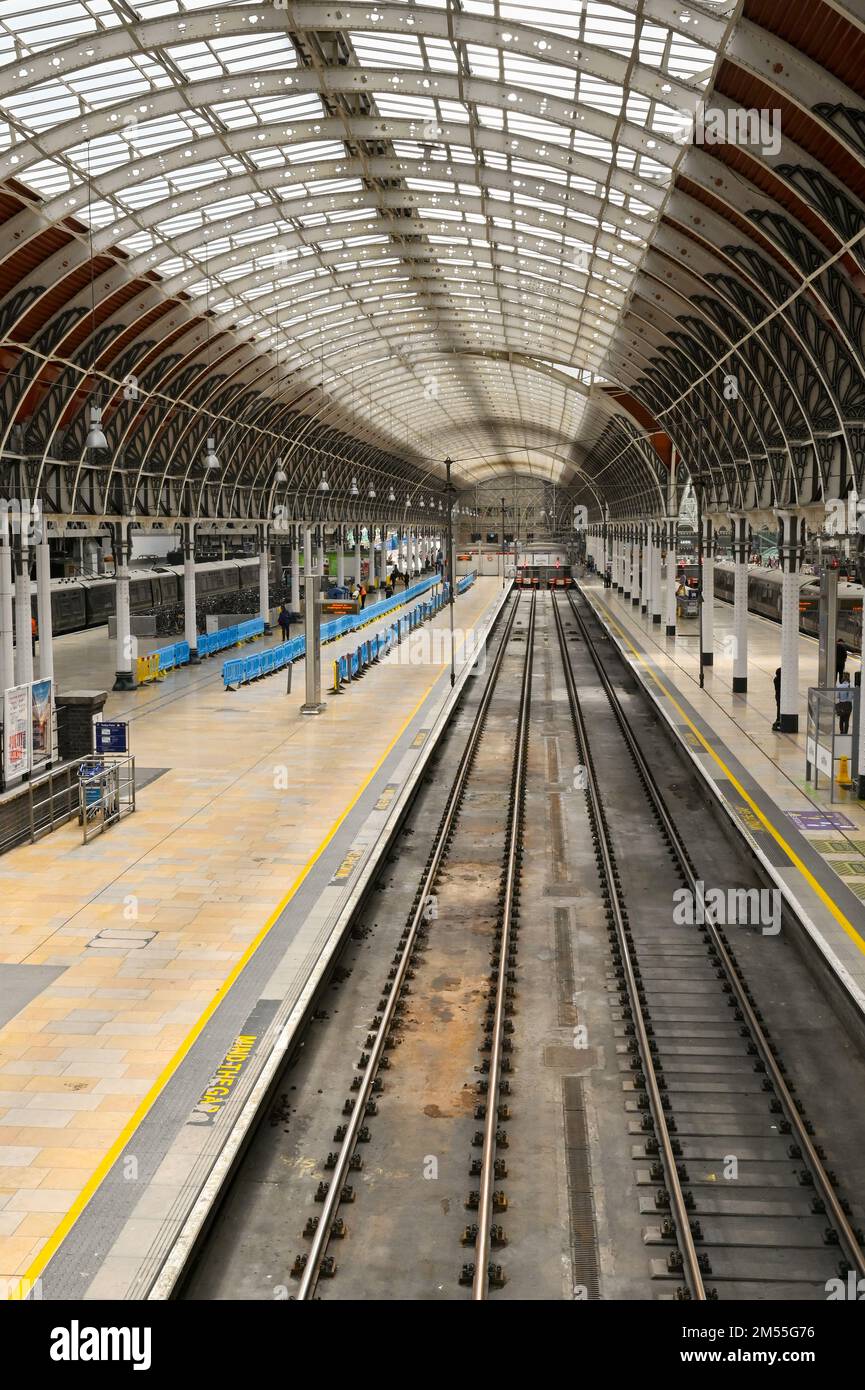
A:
(352, 665)
(52, 800)
(106, 793)
(154, 666)
(250, 668)
(466, 582)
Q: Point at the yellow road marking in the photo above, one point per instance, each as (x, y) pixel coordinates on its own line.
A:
(836, 912)
(58, 1235)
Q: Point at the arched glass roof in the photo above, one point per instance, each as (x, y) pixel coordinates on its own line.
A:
(434, 214)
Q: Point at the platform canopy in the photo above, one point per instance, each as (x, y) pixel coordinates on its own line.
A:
(343, 242)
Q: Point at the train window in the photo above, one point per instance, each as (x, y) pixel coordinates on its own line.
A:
(141, 593)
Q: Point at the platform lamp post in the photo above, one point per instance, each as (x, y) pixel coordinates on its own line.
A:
(451, 583)
(698, 480)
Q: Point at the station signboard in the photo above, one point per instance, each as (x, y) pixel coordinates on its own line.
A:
(41, 722)
(111, 736)
(17, 731)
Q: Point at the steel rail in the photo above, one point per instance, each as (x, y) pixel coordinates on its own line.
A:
(684, 1237)
(322, 1234)
(480, 1282)
(846, 1234)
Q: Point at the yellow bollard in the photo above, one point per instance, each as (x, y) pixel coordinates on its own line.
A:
(844, 779)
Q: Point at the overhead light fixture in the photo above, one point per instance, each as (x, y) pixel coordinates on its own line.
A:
(371, 493)
(324, 485)
(281, 475)
(353, 489)
(95, 435)
(440, 504)
(421, 504)
(391, 497)
(211, 459)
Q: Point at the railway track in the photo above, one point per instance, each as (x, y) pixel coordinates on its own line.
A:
(521, 932)
(494, 1023)
(707, 1089)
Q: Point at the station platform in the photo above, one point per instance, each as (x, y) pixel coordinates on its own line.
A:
(85, 660)
(812, 847)
(147, 975)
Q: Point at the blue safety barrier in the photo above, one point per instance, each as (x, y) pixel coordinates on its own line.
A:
(351, 666)
(208, 643)
(211, 642)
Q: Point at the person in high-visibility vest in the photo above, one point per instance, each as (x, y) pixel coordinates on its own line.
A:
(34, 633)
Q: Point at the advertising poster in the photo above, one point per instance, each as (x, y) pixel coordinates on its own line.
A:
(16, 731)
(41, 718)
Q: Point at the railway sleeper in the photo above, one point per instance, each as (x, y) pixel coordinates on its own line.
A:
(676, 1262)
(497, 1236)
(327, 1268)
(338, 1229)
(668, 1230)
(503, 1112)
(500, 1168)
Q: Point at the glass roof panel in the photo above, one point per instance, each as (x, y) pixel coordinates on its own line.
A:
(468, 182)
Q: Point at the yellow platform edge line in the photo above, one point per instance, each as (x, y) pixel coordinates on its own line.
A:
(25, 1281)
(843, 922)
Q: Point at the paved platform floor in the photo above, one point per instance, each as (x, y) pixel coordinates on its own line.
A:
(814, 847)
(125, 958)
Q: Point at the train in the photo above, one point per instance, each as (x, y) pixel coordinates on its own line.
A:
(78, 603)
(556, 576)
(764, 597)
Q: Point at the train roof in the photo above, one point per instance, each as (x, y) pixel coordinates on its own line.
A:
(86, 581)
(774, 576)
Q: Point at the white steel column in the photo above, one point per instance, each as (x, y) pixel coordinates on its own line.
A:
(627, 565)
(43, 610)
(295, 569)
(357, 562)
(340, 556)
(313, 703)
(264, 580)
(7, 642)
(125, 644)
(23, 616)
(739, 524)
(190, 604)
(790, 538)
(655, 578)
(707, 624)
(646, 569)
(671, 576)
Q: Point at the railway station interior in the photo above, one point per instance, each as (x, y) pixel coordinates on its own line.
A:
(432, 549)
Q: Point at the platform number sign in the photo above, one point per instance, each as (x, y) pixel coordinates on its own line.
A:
(112, 736)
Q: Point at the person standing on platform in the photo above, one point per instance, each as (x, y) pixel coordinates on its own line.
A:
(841, 655)
(843, 703)
(363, 596)
(34, 633)
(284, 621)
(777, 682)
